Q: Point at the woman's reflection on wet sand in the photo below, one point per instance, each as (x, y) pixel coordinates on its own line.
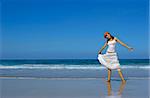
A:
(114, 94)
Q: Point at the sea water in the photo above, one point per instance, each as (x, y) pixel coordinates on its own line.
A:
(71, 68)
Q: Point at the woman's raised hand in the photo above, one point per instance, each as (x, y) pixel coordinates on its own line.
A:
(130, 49)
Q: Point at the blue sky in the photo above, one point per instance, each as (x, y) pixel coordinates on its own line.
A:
(66, 29)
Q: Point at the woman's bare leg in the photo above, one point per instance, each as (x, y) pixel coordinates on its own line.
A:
(121, 76)
(109, 75)
(109, 88)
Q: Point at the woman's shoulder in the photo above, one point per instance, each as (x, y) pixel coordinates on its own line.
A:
(115, 38)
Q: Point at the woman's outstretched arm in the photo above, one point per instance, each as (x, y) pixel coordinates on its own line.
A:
(99, 52)
(123, 44)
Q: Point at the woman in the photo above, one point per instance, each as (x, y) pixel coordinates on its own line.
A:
(110, 59)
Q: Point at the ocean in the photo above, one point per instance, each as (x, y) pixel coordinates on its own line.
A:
(71, 68)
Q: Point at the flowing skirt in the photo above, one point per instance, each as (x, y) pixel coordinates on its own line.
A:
(109, 60)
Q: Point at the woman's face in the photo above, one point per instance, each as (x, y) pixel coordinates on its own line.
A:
(108, 36)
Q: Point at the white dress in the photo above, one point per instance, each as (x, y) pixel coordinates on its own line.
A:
(110, 60)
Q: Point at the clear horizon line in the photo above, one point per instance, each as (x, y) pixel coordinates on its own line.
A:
(62, 58)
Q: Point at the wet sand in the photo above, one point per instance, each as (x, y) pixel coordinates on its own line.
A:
(12, 87)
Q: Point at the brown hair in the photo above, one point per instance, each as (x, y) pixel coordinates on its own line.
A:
(110, 35)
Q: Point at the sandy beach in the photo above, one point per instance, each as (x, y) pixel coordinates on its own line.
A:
(12, 87)
(67, 49)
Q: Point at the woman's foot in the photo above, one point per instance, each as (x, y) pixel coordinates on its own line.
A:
(108, 80)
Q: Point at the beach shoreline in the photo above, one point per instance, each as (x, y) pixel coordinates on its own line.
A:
(72, 78)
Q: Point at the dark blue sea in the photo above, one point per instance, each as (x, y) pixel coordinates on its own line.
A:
(71, 68)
